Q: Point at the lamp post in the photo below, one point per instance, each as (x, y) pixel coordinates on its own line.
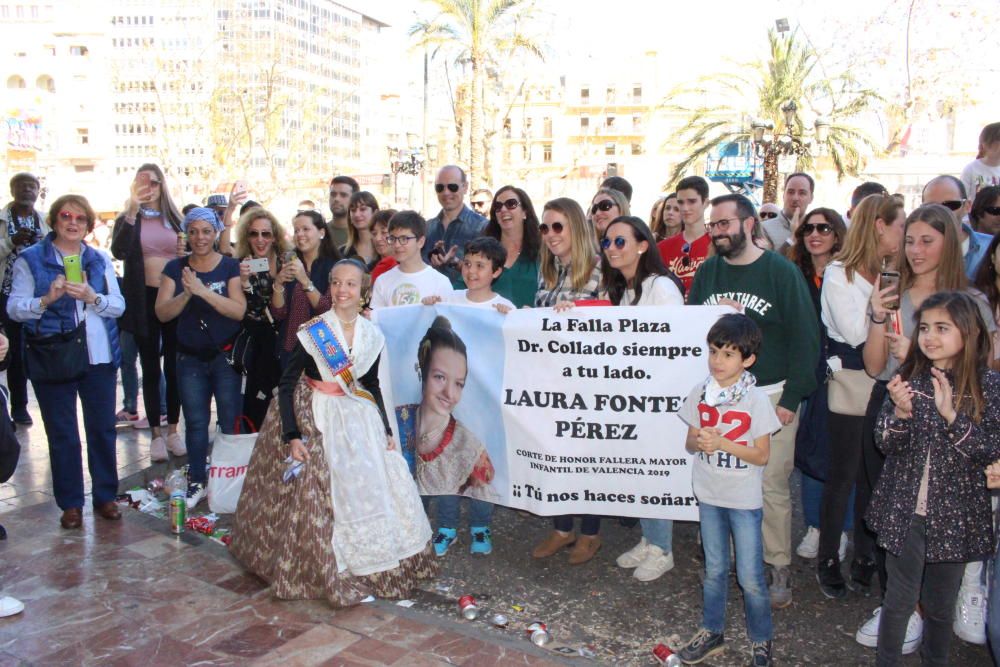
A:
(408, 161)
(769, 145)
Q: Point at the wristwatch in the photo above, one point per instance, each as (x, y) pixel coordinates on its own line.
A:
(98, 301)
(310, 288)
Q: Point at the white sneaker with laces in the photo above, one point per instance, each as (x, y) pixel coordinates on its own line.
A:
(634, 556)
(10, 606)
(809, 546)
(842, 552)
(970, 614)
(656, 564)
(195, 494)
(867, 634)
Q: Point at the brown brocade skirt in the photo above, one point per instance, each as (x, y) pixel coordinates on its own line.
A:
(283, 533)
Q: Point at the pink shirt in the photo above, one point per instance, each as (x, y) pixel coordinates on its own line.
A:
(157, 240)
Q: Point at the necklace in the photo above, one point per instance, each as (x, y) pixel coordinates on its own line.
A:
(347, 322)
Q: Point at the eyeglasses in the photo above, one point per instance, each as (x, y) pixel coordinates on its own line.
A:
(66, 216)
(260, 235)
(767, 215)
(686, 259)
(401, 240)
(604, 205)
(619, 242)
(480, 204)
(509, 204)
(992, 210)
(721, 225)
(557, 228)
(823, 228)
(452, 187)
(953, 204)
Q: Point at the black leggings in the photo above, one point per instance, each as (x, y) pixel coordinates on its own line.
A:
(150, 350)
(844, 467)
(871, 463)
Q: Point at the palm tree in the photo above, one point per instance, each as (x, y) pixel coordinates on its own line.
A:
(481, 34)
(726, 105)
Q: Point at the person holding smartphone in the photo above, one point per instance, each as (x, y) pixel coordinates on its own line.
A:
(146, 236)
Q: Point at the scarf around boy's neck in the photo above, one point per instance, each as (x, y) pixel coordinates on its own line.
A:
(712, 394)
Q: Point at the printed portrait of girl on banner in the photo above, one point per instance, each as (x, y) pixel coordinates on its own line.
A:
(445, 456)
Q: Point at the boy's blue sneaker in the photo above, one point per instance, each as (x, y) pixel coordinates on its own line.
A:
(482, 541)
(443, 540)
(702, 646)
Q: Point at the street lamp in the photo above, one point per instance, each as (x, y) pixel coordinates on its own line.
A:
(768, 145)
(408, 161)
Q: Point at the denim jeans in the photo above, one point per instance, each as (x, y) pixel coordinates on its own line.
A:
(480, 512)
(912, 580)
(589, 524)
(812, 498)
(659, 532)
(57, 403)
(717, 524)
(130, 376)
(198, 381)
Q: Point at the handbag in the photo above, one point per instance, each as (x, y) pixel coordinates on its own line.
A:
(238, 351)
(10, 448)
(848, 392)
(56, 358)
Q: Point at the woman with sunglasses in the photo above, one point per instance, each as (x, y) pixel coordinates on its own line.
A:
(305, 277)
(360, 243)
(146, 236)
(514, 223)
(607, 205)
(260, 237)
(47, 303)
(570, 271)
(634, 275)
(985, 212)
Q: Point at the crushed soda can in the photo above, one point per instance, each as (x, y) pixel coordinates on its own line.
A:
(499, 620)
(468, 607)
(538, 632)
(665, 656)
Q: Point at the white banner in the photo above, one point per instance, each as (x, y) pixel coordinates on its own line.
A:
(554, 413)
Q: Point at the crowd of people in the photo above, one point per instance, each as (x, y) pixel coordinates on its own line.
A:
(861, 352)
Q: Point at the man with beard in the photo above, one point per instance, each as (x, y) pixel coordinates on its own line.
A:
(771, 291)
(22, 227)
(341, 189)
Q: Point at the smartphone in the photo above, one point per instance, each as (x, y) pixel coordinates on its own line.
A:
(71, 265)
(143, 179)
(890, 278)
(239, 188)
(259, 265)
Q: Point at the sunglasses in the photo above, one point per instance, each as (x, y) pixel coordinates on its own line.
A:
(823, 228)
(66, 216)
(480, 204)
(260, 235)
(992, 210)
(509, 204)
(605, 205)
(619, 242)
(452, 187)
(767, 215)
(557, 228)
(686, 259)
(953, 204)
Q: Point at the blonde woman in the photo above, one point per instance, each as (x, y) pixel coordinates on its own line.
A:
(570, 264)
(607, 205)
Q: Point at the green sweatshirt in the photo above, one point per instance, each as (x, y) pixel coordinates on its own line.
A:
(774, 294)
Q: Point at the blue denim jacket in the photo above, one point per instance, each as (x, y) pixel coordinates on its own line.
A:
(467, 226)
(978, 243)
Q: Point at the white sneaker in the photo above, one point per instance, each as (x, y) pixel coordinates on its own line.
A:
(842, 552)
(970, 614)
(195, 494)
(867, 634)
(158, 449)
(809, 546)
(634, 556)
(10, 606)
(656, 564)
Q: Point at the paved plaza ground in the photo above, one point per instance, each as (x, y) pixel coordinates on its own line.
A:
(130, 593)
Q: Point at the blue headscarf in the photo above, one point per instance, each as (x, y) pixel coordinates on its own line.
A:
(202, 213)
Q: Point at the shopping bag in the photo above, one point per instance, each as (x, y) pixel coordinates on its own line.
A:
(228, 469)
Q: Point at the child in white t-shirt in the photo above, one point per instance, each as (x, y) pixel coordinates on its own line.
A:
(411, 280)
(730, 422)
(481, 265)
(984, 171)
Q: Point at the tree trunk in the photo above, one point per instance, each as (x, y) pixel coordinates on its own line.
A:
(770, 194)
(477, 167)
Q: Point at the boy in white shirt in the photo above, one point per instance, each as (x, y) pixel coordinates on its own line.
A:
(482, 264)
(730, 422)
(411, 280)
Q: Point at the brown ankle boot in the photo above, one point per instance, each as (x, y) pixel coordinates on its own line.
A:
(584, 549)
(553, 543)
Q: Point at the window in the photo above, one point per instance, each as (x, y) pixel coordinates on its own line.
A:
(547, 127)
(16, 82)
(506, 128)
(527, 127)
(547, 153)
(83, 135)
(78, 50)
(609, 148)
(636, 149)
(637, 123)
(585, 95)
(637, 93)
(611, 94)
(609, 122)
(83, 168)
(584, 123)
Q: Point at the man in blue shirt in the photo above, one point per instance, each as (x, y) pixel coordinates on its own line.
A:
(949, 191)
(454, 226)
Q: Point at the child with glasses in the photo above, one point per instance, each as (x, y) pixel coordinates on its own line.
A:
(411, 279)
